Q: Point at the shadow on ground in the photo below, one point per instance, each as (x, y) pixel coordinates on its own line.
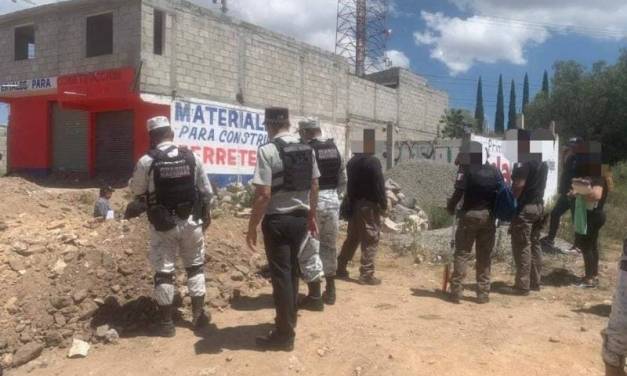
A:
(602, 310)
(256, 303)
(242, 337)
(438, 294)
(560, 278)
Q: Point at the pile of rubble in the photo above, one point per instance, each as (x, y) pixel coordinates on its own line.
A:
(404, 216)
(69, 280)
(429, 182)
(235, 199)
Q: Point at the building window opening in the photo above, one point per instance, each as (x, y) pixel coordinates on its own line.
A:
(100, 35)
(159, 32)
(25, 42)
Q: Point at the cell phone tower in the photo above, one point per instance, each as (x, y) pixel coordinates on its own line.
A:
(362, 34)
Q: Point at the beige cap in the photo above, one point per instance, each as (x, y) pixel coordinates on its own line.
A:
(157, 122)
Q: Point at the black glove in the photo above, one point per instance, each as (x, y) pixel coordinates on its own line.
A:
(206, 216)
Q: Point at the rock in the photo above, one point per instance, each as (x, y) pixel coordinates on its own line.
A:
(583, 329)
(26, 337)
(59, 267)
(87, 309)
(229, 358)
(54, 339)
(27, 353)
(554, 340)
(357, 371)
(59, 319)
(125, 269)
(11, 305)
(101, 331)
(17, 265)
(400, 213)
(3, 343)
(391, 185)
(112, 336)
(244, 213)
(3, 226)
(390, 227)
(79, 296)
(21, 249)
(60, 302)
(116, 288)
(79, 349)
(7, 360)
(55, 225)
(208, 372)
(237, 276)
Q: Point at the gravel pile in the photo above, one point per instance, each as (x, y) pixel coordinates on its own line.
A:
(429, 182)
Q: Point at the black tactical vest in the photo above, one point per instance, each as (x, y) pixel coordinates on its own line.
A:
(174, 179)
(297, 171)
(329, 163)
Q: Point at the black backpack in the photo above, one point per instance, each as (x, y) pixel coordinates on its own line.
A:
(297, 171)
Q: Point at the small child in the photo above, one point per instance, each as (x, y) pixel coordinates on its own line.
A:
(102, 209)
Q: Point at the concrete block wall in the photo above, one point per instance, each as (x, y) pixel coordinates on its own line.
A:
(420, 107)
(60, 32)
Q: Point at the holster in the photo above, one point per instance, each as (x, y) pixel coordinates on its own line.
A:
(161, 218)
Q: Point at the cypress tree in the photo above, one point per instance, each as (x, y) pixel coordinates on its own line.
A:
(511, 121)
(545, 83)
(499, 119)
(479, 113)
(525, 94)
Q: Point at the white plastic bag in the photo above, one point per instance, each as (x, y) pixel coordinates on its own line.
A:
(309, 260)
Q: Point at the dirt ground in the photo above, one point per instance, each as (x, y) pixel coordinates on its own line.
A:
(403, 327)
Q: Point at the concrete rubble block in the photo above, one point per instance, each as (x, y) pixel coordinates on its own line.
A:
(79, 349)
(391, 185)
(390, 227)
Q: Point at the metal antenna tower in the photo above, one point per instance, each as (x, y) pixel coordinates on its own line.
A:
(362, 34)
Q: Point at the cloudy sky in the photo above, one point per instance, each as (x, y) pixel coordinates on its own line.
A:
(453, 42)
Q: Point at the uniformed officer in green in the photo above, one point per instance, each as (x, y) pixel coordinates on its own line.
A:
(477, 185)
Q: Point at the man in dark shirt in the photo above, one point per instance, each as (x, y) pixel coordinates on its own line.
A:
(529, 182)
(477, 184)
(366, 200)
(564, 203)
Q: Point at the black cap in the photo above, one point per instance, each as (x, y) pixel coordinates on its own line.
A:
(276, 115)
(106, 189)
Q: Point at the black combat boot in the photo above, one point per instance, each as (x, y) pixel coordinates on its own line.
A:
(276, 342)
(329, 294)
(165, 327)
(341, 272)
(200, 318)
(313, 301)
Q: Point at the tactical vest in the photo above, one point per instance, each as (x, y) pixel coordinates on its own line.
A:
(175, 181)
(297, 171)
(329, 163)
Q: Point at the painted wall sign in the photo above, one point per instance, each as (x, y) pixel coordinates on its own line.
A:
(34, 86)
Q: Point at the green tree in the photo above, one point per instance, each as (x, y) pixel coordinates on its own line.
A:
(455, 121)
(525, 101)
(499, 119)
(511, 119)
(545, 83)
(479, 112)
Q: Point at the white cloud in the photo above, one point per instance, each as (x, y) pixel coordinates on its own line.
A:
(460, 43)
(501, 30)
(301, 19)
(397, 58)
